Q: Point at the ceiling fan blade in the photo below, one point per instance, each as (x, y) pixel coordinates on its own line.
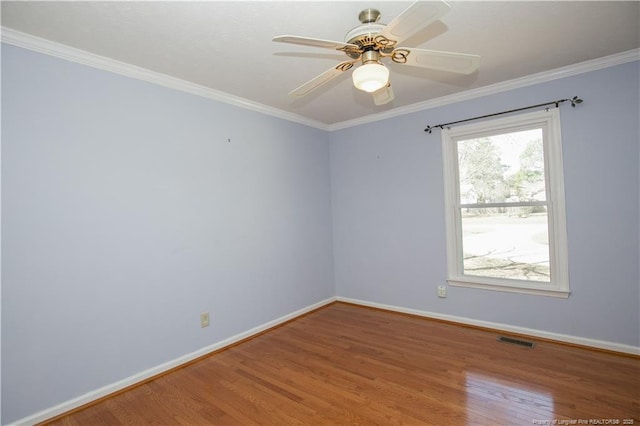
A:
(315, 42)
(321, 79)
(384, 95)
(418, 16)
(461, 63)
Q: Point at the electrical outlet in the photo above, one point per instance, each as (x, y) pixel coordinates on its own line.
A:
(442, 291)
(204, 319)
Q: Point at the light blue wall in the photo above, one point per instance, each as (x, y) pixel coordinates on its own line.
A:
(389, 226)
(128, 209)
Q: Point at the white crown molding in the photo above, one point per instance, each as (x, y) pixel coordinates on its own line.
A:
(94, 395)
(542, 77)
(37, 44)
(40, 45)
(582, 341)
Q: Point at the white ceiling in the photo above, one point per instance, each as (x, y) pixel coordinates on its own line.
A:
(226, 46)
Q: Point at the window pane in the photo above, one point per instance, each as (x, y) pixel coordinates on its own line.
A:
(506, 243)
(502, 168)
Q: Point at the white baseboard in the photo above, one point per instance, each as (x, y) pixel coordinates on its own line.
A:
(144, 375)
(583, 341)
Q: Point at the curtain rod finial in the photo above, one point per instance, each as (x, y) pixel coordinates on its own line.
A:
(575, 100)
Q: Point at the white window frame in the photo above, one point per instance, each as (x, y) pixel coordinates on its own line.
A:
(549, 122)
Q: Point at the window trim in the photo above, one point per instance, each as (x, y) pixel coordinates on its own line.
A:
(549, 120)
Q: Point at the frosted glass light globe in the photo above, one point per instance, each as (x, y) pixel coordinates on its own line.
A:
(370, 77)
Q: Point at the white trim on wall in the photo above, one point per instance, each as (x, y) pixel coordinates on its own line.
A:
(91, 396)
(159, 369)
(37, 44)
(41, 45)
(583, 341)
(504, 86)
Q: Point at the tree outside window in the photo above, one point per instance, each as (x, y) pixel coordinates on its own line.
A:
(505, 205)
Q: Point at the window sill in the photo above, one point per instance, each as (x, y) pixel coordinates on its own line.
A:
(475, 282)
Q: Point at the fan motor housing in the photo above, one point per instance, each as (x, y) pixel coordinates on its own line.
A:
(364, 36)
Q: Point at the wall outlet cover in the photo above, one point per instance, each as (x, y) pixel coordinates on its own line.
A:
(204, 319)
(442, 291)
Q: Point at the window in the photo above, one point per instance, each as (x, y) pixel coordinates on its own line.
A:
(504, 201)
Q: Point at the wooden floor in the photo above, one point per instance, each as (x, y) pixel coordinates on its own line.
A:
(346, 364)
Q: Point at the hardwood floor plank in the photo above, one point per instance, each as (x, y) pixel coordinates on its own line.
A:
(346, 364)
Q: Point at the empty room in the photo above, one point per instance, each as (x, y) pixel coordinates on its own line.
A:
(320, 212)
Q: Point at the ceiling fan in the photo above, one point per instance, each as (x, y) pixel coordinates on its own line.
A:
(371, 42)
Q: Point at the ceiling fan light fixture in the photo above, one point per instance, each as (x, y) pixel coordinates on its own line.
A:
(370, 77)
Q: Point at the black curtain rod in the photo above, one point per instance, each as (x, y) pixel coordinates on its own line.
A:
(575, 100)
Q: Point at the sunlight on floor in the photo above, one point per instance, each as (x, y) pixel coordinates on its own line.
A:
(507, 401)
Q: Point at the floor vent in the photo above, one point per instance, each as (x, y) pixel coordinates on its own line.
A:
(513, 341)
